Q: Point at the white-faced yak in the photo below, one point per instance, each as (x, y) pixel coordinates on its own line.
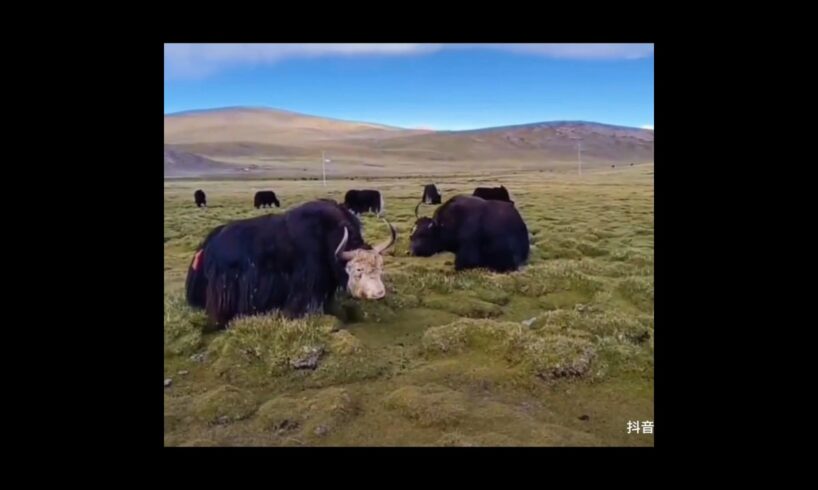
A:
(199, 198)
(265, 198)
(481, 233)
(293, 262)
(364, 201)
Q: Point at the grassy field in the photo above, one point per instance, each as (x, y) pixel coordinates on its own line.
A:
(557, 354)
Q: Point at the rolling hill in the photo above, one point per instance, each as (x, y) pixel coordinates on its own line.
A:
(287, 144)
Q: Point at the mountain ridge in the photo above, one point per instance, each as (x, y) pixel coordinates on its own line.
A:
(286, 143)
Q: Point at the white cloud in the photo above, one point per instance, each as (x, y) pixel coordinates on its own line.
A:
(648, 126)
(200, 60)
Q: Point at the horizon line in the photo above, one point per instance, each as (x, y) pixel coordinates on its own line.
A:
(276, 109)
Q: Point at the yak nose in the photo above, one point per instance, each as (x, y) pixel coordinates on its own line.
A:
(377, 293)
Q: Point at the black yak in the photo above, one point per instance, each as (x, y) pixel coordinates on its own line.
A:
(430, 195)
(481, 233)
(265, 198)
(364, 201)
(293, 262)
(492, 193)
(200, 198)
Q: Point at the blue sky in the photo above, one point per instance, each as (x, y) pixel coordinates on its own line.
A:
(446, 87)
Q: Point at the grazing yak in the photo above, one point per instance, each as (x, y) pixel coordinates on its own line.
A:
(360, 202)
(430, 195)
(200, 198)
(293, 262)
(493, 193)
(265, 198)
(481, 233)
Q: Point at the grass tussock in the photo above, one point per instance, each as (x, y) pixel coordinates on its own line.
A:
(547, 356)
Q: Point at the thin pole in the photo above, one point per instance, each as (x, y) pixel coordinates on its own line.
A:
(579, 156)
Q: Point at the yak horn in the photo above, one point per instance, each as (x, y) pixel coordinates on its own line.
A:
(417, 207)
(383, 247)
(343, 241)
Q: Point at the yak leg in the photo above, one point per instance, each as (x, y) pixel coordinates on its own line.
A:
(308, 292)
(498, 255)
(222, 296)
(468, 257)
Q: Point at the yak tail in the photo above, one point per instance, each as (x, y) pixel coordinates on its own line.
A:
(196, 282)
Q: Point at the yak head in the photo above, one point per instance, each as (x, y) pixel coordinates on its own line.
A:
(365, 267)
(425, 238)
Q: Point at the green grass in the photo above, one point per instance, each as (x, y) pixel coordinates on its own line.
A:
(558, 353)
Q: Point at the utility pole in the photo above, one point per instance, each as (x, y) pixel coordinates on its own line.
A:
(324, 168)
(579, 156)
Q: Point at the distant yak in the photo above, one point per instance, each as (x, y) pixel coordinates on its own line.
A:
(265, 198)
(481, 233)
(363, 201)
(492, 193)
(293, 263)
(200, 198)
(430, 195)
